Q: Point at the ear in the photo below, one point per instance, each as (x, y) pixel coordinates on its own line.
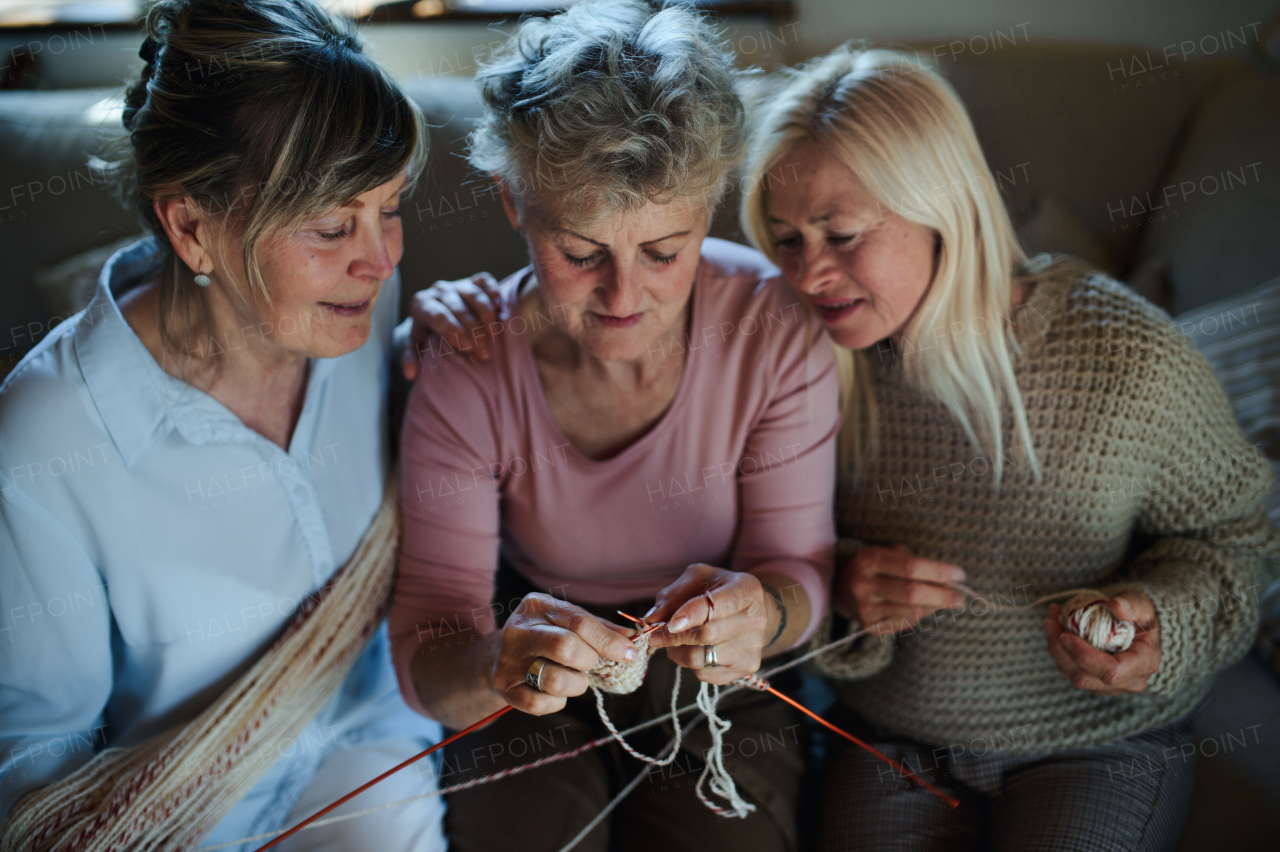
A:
(189, 230)
(509, 202)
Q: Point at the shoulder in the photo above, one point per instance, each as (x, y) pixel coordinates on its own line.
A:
(455, 387)
(745, 294)
(1113, 342)
(1085, 313)
(748, 311)
(724, 259)
(44, 402)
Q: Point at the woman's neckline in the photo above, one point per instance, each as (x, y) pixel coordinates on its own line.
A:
(529, 373)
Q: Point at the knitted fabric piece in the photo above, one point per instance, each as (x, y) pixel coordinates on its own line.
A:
(1148, 485)
(622, 678)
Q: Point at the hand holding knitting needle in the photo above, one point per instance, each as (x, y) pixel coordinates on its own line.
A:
(1124, 673)
(889, 589)
(713, 606)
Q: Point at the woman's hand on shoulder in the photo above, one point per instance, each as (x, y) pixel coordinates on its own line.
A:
(462, 312)
(709, 606)
(889, 589)
(1125, 673)
(569, 638)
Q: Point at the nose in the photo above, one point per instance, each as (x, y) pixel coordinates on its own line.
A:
(620, 293)
(374, 259)
(816, 269)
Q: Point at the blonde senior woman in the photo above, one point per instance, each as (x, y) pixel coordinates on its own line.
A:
(188, 463)
(1024, 426)
(654, 432)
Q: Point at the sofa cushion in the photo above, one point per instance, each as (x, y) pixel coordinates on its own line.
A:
(1081, 123)
(454, 223)
(1221, 233)
(52, 205)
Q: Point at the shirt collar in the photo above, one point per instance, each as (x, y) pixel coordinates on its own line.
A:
(119, 371)
(138, 401)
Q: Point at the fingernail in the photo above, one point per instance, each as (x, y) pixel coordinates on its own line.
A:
(630, 653)
(651, 611)
(957, 575)
(679, 624)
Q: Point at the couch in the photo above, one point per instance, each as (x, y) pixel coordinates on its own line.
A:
(1163, 177)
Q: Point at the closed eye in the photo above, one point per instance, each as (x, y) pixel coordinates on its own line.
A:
(582, 261)
(664, 259)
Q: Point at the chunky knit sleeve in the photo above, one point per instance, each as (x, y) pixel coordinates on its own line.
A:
(1199, 504)
(860, 658)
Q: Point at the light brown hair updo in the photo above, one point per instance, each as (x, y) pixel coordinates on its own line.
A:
(609, 105)
(268, 114)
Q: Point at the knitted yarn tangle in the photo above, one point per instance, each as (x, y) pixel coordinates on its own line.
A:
(625, 678)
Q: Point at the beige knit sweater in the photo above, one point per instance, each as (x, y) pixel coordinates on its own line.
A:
(1148, 484)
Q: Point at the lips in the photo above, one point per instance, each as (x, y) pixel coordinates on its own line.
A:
(833, 311)
(618, 322)
(347, 309)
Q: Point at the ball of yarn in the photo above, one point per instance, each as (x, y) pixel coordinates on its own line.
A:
(1088, 615)
(622, 678)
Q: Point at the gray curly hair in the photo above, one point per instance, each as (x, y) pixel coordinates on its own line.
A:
(610, 105)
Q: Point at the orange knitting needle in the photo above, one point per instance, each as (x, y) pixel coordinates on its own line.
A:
(950, 800)
(315, 816)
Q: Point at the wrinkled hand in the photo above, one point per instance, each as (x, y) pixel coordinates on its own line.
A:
(570, 638)
(889, 589)
(462, 312)
(735, 625)
(1097, 671)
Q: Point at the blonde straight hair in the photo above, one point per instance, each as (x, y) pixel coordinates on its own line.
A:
(902, 130)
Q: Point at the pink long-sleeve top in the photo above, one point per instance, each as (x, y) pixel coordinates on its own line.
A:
(738, 473)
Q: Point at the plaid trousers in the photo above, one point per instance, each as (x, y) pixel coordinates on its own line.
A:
(1131, 795)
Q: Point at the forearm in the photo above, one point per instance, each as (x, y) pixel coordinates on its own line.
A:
(454, 682)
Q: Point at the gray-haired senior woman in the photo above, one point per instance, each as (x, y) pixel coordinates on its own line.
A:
(654, 432)
(226, 394)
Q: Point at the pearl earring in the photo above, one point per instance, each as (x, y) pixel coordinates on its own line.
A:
(202, 280)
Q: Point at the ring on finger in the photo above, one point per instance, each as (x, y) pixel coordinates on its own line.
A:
(533, 677)
(709, 659)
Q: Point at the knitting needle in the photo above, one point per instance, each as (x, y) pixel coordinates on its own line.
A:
(950, 800)
(315, 816)
(648, 628)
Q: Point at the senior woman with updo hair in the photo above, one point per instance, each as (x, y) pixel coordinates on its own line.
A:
(223, 404)
(1021, 425)
(654, 432)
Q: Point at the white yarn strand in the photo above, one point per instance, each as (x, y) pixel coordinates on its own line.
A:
(721, 781)
(1087, 615)
(675, 723)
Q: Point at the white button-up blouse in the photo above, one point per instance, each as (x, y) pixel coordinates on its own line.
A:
(152, 546)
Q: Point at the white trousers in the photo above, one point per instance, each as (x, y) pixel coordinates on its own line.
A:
(414, 827)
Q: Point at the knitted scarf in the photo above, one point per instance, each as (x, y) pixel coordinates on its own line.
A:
(168, 792)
